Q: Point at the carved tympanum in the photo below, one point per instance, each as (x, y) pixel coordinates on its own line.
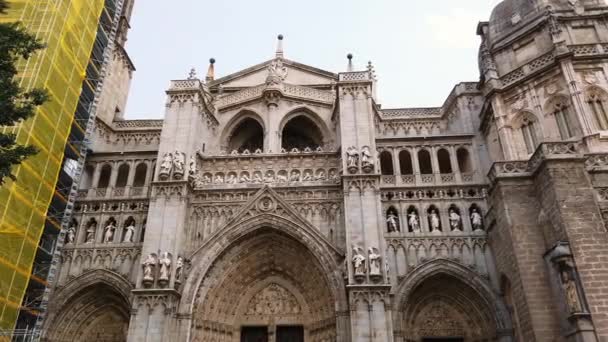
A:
(273, 300)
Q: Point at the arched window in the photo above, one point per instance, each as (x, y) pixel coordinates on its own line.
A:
(424, 158)
(104, 176)
(529, 132)
(386, 163)
(140, 175)
(405, 163)
(445, 165)
(464, 160)
(301, 132)
(87, 177)
(596, 101)
(248, 135)
(562, 118)
(123, 176)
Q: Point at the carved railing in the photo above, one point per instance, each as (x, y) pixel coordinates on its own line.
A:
(526, 69)
(404, 113)
(240, 96)
(355, 76)
(185, 84)
(289, 90)
(585, 49)
(125, 124)
(525, 168)
(435, 193)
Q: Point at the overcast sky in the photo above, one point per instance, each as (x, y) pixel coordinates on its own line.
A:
(420, 49)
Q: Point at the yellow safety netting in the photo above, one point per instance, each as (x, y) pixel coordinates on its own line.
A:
(68, 28)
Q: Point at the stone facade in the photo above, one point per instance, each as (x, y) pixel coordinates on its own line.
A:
(283, 203)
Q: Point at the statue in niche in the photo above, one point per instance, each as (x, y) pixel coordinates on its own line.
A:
(231, 179)
(375, 260)
(90, 238)
(206, 179)
(282, 177)
(70, 235)
(166, 165)
(334, 176)
(269, 178)
(359, 262)
(307, 176)
(414, 222)
(435, 222)
(393, 222)
(192, 167)
(178, 162)
(219, 179)
(165, 267)
(352, 158)
(179, 265)
(129, 232)
(108, 234)
(476, 220)
(320, 175)
(455, 220)
(257, 178)
(295, 176)
(149, 265)
(366, 158)
(245, 178)
(570, 290)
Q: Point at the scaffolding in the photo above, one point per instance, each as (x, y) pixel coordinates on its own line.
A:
(68, 28)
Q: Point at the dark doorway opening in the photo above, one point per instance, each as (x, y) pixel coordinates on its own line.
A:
(290, 334)
(254, 334)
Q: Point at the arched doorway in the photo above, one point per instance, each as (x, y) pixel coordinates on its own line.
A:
(444, 301)
(266, 286)
(94, 307)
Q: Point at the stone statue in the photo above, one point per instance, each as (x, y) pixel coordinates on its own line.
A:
(179, 265)
(70, 234)
(320, 176)
(276, 72)
(358, 262)
(307, 176)
(393, 222)
(352, 157)
(435, 222)
(129, 233)
(295, 176)
(167, 164)
(282, 178)
(108, 234)
(257, 177)
(375, 260)
(571, 292)
(178, 162)
(333, 176)
(149, 265)
(269, 178)
(206, 179)
(455, 221)
(245, 178)
(165, 267)
(218, 179)
(414, 222)
(231, 179)
(192, 167)
(476, 220)
(90, 238)
(366, 157)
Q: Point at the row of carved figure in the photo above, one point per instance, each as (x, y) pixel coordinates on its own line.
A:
(108, 232)
(363, 266)
(173, 164)
(413, 220)
(164, 263)
(294, 150)
(364, 158)
(258, 178)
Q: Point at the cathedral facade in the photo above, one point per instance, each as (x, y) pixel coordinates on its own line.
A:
(283, 203)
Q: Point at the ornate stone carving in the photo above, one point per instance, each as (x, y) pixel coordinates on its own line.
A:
(277, 72)
(179, 161)
(149, 269)
(165, 268)
(273, 300)
(359, 266)
(434, 222)
(367, 160)
(352, 159)
(414, 221)
(179, 266)
(166, 166)
(375, 262)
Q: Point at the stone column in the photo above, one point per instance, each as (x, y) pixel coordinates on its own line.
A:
(131, 177)
(435, 164)
(112, 183)
(583, 116)
(416, 165)
(396, 165)
(95, 181)
(455, 167)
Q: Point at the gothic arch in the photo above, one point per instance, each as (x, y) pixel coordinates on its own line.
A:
(304, 111)
(473, 309)
(95, 303)
(233, 124)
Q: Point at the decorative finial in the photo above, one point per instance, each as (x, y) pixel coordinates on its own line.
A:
(279, 53)
(350, 67)
(192, 74)
(211, 71)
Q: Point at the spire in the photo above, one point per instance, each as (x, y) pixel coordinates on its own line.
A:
(211, 71)
(192, 74)
(350, 67)
(279, 53)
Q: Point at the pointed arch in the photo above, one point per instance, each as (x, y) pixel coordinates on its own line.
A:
(559, 107)
(246, 126)
(527, 127)
(322, 136)
(597, 99)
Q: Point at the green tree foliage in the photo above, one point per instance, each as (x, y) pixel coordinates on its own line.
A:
(15, 103)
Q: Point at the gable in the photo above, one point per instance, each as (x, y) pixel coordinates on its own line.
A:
(298, 74)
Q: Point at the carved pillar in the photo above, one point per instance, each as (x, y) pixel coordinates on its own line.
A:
(95, 181)
(435, 164)
(583, 116)
(396, 165)
(455, 166)
(416, 164)
(131, 177)
(113, 176)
